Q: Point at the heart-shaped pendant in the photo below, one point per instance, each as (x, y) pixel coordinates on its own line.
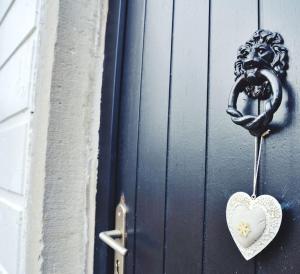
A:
(253, 223)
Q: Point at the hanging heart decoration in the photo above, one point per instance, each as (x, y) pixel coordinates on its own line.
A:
(253, 222)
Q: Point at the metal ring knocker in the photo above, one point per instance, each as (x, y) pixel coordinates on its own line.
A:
(255, 124)
(261, 65)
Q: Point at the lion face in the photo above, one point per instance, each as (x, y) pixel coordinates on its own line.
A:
(257, 56)
(264, 50)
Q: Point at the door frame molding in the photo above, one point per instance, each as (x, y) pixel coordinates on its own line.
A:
(108, 132)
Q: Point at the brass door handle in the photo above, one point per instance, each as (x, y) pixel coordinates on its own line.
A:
(116, 239)
(108, 237)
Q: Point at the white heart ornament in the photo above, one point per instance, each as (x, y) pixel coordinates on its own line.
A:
(253, 223)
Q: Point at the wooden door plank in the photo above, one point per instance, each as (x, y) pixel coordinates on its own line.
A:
(152, 145)
(230, 147)
(187, 138)
(129, 118)
(280, 171)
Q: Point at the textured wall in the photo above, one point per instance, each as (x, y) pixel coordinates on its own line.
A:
(61, 202)
(18, 36)
(51, 55)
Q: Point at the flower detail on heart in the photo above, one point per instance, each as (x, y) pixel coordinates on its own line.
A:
(244, 229)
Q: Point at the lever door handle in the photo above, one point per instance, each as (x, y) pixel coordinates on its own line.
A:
(116, 239)
(108, 238)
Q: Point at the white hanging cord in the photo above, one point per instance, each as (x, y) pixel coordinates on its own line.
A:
(257, 160)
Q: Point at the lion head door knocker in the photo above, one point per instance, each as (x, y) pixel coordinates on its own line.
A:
(260, 68)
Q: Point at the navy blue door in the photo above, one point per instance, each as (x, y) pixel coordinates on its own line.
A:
(167, 144)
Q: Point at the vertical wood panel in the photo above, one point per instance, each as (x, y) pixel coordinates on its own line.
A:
(129, 117)
(280, 162)
(230, 147)
(187, 136)
(152, 146)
